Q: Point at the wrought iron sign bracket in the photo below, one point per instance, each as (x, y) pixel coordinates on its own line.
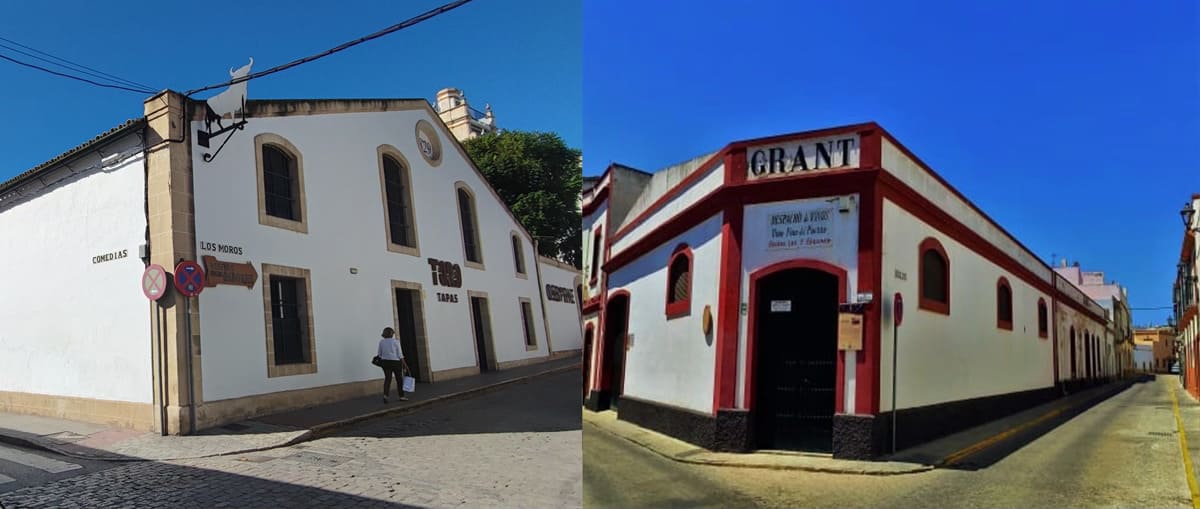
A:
(203, 137)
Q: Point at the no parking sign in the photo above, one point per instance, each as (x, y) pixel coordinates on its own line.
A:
(154, 282)
(189, 278)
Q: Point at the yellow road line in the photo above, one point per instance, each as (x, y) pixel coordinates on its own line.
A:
(1187, 458)
(992, 440)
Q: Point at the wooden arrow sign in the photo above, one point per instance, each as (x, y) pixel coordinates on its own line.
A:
(227, 273)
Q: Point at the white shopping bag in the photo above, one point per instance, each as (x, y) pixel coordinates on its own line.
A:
(410, 384)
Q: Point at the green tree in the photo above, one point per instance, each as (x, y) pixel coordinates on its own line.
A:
(539, 177)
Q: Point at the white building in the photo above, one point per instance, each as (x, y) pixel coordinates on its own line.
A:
(319, 223)
(718, 309)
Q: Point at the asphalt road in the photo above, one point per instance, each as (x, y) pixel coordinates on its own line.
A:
(514, 447)
(21, 467)
(1123, 452)
(620, 474)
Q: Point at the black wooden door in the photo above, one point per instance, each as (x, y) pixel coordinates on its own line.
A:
(615, 331)
(478, 316)
(406, 311)
(796, 338)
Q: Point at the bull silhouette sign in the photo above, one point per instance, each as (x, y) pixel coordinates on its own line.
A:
(229, 102)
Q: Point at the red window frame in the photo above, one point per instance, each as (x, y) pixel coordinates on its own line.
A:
(1043, 319)
(927, 304)
(682, 307)
(1002, 283)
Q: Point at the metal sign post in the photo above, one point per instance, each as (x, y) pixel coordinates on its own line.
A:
(154, 286)
(189, 280)
(897, 317)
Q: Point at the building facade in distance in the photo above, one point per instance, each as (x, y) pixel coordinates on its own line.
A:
(463, 121)
(1187, 297)
(1114, 298)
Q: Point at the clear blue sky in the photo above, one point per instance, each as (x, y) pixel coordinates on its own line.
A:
(1073, 124)
(522, 57)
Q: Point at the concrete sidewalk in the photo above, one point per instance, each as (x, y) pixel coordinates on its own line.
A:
(996, 437)
(1188, 422)
(97, 441)
(678, 450)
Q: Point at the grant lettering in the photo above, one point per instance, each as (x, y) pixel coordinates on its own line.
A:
(803, 156)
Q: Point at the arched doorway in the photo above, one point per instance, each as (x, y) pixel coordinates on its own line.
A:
(1073, 353)
(1091, 354)
(795, 352)
(616, 327)
(587, 357)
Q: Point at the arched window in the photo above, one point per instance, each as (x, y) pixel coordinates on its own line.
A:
(280, 183)
(470, 227)
(518, 255)
(596, 250)
(679, 282)
(1004, 311)
(397, 200)
(1043, 319)
(934, 277)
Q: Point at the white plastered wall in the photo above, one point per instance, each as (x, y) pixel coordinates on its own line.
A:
(346, 231)
(672, 361)
(963, 355)
(563, 315)
(69, 326)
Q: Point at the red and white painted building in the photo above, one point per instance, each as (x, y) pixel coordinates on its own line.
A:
(713, 290)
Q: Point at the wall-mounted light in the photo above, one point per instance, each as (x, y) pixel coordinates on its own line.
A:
(1186, 214)
(353, 270)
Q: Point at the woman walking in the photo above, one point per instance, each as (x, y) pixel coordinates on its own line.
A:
(392, 362)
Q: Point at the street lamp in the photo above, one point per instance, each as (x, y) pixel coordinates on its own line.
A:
(1186, 214)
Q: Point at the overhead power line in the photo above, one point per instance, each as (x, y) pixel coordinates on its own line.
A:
(1152, 309)
(72, 65)
(71, 76)
(399, 26)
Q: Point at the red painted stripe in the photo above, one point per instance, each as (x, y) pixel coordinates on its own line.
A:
(728, 308)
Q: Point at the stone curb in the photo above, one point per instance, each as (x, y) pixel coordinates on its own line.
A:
(36, 442)
(700, 456)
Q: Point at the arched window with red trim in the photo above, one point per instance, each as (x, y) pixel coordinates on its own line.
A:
(1043, 319)
(934, 277)
(1004, 307)
(679, 282)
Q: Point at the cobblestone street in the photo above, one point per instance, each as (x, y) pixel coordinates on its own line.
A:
(519, 446)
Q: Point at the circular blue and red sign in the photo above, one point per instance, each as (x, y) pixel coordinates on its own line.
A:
(189, 278)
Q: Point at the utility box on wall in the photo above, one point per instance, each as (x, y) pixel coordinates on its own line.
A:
(850, 326)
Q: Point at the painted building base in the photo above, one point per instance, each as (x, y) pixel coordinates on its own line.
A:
(135, 416)
(860, 437)
(597, 401)
(727, 431)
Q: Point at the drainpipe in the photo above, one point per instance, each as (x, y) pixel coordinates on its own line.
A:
(537, 267)
(157, 362)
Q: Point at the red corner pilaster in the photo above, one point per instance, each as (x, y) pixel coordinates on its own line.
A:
(870, 258)
(728, 301)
